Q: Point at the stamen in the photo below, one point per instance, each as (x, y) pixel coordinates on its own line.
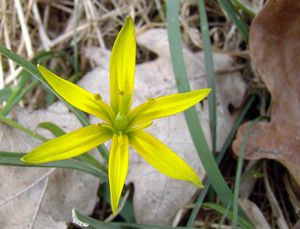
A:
(98, 97)
(150, 101)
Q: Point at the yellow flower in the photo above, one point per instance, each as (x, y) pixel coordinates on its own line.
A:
(122, 125)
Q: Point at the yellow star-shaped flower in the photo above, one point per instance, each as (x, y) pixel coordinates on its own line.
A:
(121, 124)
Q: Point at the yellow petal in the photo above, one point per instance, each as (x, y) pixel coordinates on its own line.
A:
(117, 168)
(122, 65)
(166, 106)
(69, 145)
(162, 157)
(77, 96)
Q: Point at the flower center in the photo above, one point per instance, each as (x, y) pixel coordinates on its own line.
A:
(121, 121)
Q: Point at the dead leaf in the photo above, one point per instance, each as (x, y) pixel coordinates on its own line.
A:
(293, 194)
(254, 213)
(274, 48)
(39, 197)
(254, 5)
(156, 197)
(276, 209)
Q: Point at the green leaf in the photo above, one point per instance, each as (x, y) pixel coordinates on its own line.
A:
(224, 211)
(55, 129)
(13, 159)
(191, 116)
(227, 143)
(209, 163)
(233, 14)
(210, 75)
(238, 174)
(88, 222)
(5, 93)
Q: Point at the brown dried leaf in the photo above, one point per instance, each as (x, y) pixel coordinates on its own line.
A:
(40, 197)
(274, 49)
(254, 213)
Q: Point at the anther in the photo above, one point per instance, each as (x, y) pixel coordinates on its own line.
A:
(150, 100)
(98, 97)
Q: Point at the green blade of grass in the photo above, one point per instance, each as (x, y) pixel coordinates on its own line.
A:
(21, 90)
(239, 173)
(210, 75)
(21, 128)
(233, 14)
(17, 95)
(244, 8)
(213, 173)
(56, 130)
(88, 222)
(5, 93)
(241, 222)
(13, 159)
(191, 116)
(227, 143)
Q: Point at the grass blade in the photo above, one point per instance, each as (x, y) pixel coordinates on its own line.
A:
(244, 8)
(213, 173)
(5, 93)
(227, 143)
(191, 116)
(210, 75)
(13, 159)
(233, 14)
(241, 222)
(235, 208)
(56, 130)
(88, 222)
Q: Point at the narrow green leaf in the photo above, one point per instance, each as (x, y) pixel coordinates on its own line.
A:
(191, 116)
(244, 8)
(88, 222)
(227, 143)
(22, 88)
(239, 173)
(21, 128)
(210, 75)
(213, 173)
(233, 14)
(5, 93)
(53, 128)
(13, 159)
(241, 222)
